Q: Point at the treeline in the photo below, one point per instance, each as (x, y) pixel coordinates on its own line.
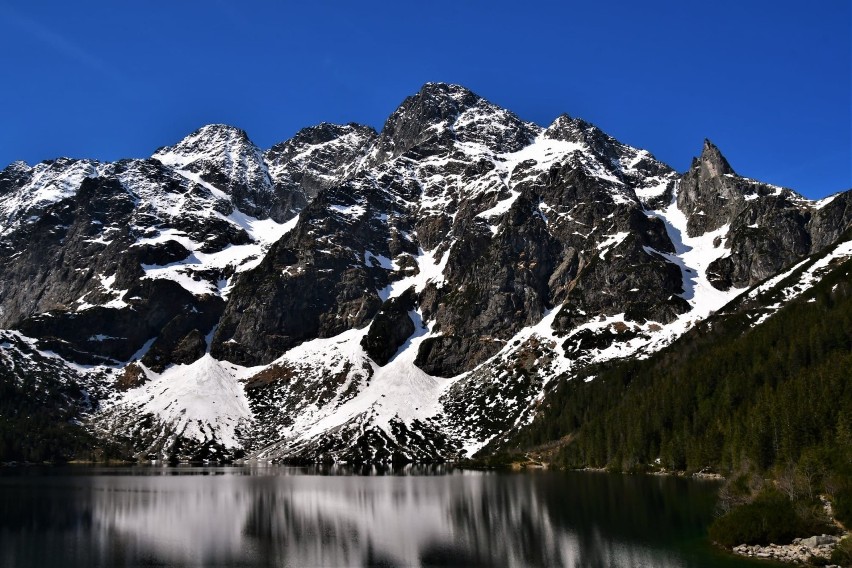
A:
(37, 419)
(726, 397)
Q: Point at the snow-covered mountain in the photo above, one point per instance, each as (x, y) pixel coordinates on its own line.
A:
(351, 295)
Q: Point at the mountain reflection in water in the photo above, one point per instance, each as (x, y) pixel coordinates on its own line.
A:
(297, 517)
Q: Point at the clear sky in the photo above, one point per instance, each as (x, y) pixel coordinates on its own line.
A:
(768, 81)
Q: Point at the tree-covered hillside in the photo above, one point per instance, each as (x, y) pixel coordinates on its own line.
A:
(728, 393)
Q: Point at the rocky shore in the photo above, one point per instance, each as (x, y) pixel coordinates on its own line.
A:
(801, 551)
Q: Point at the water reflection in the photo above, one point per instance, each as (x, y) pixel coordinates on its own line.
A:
(290, 517)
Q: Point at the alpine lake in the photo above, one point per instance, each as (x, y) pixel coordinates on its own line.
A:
(246, 516)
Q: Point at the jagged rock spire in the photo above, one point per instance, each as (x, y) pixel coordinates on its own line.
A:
(708, 191)
(712, 163)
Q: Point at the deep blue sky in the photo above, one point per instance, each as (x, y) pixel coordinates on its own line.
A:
(767, 80)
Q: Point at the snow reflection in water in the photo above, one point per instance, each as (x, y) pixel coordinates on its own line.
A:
(285, 517)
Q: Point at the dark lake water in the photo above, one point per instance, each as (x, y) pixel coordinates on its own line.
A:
(270, 516)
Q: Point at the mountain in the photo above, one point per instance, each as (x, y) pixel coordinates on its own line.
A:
(763, 381)
(411, 294)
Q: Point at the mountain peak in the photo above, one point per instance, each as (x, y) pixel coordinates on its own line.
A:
(325, 132)
(209, 134)
(432, 105)
(221, 129)
(447, 91)
(711, 162)
(709, 191)
(216, 141)
(224, 157)
(316, 158)
(18, 166)
(562, 121)
(441, 112)
(570, 129)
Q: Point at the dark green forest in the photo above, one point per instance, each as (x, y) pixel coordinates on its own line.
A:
(38, 417)
(769, 401)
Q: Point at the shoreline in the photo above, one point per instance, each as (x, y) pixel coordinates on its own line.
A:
(800, 551)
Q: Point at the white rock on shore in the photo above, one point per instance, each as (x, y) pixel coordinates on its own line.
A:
(799, 552)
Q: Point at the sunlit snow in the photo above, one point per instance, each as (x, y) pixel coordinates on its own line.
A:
(203, 400)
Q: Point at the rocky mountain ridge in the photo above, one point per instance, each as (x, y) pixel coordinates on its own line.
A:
(351, 295)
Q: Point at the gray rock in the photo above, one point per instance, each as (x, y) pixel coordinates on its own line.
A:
(315, 159)
(816, 541)
(390, 328)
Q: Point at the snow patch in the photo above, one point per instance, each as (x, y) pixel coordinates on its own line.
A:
(381, 260)
(202, 401)
(823, 202)
(808, 278)
(349, 210)
(430, 270)
(501, 207)
(263, 232)
(610, 242)
(397, 391)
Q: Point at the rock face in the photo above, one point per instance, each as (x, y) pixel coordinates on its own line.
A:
(397, 295)
(390, 328)
(316, 158)
(768, 227)
(224, 157)
(710, 191)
